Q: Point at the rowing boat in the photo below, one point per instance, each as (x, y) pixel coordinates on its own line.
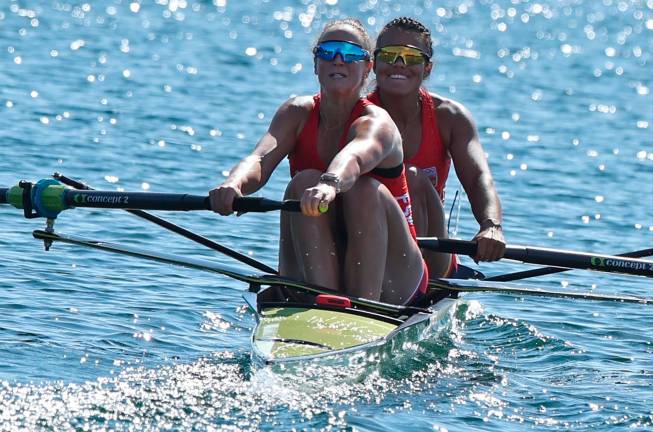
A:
(289, 332)
(295, 321)
(298, 322)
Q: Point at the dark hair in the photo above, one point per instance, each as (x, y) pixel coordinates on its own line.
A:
(411, 24)
(357, 25)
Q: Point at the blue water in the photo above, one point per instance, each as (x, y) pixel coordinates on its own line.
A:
(167, 95)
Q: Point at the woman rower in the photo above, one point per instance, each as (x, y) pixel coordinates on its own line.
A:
(434, 130)
(345, 154)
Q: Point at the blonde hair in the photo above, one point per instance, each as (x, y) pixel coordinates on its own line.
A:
(362, 32)
(357, 25)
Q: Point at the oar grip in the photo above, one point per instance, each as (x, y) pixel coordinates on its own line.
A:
(259, 205)
(462, 247)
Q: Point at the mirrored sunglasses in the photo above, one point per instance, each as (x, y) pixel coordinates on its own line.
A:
(410, 55)
(349, 52)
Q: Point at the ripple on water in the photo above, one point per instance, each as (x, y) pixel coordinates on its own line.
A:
(171, 94)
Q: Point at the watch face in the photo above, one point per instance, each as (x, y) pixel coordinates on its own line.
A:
(331, 179)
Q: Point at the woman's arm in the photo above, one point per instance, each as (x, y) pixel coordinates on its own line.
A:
(476, 178)
(374, 141)
(254, 170)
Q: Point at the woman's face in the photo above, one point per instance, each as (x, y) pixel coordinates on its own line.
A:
(336, 76)
(399, 78)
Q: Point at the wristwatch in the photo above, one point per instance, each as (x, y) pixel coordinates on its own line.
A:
(490, 223)
(332, 180)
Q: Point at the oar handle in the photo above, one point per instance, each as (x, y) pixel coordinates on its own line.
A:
(257, 204)
(462, 247)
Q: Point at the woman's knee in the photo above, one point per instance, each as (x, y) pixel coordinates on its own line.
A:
(300, 182)
(366, 201)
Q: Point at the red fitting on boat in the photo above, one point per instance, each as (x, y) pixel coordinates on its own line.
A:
(333, 300)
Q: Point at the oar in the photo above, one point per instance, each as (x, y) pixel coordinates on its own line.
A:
(254, 278)
(179, 230)
(552, 270)
(515, 289)
(48, 198)
(549, 257)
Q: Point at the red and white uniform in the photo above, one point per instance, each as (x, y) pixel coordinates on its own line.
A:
(305, 156)
(432, 156)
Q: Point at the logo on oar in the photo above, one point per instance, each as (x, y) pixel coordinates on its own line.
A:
(100, 199)
(598, 262)
(614, 263)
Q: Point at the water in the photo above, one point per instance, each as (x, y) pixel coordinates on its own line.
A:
(167, 95)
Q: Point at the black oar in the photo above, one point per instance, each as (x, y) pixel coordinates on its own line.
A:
(549, 257)
(48, 198)
(167, 201)
(179, 230)
(253, 278)
(514, 289)
(552, 270)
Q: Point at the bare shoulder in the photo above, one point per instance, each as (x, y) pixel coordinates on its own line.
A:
(456, 124)
(294, 112)
(297, 106)
(376, 112)
(450, 109)
(379, 117)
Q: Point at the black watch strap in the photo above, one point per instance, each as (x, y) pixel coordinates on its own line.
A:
(332, 180)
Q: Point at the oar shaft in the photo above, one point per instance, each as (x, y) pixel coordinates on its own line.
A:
(168, 201)
(179, 230)
(604, 263)
(135, 200)
(232, 272)
(512, 289)
(47, 198)
(549, 257)
(552, 270)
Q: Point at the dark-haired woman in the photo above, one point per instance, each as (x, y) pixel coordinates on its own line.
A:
(435, 130)
(345, 153)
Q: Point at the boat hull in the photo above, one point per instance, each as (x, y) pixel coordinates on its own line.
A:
(291, 335)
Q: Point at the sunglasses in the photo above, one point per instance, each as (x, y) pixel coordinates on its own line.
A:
(349, 51)
(410, 55)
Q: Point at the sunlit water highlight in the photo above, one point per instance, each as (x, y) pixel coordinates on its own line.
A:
(168, 95)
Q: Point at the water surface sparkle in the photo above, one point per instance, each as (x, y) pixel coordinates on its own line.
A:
(168, 95)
